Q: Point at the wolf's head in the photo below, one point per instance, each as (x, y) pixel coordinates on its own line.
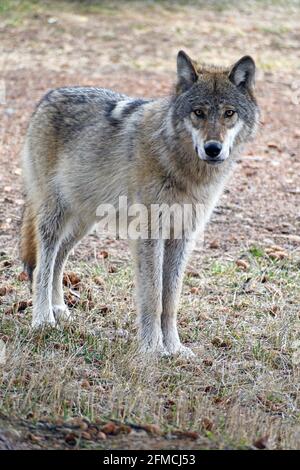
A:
(215, 107)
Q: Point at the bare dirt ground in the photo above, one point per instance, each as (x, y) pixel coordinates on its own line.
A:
(60, 389)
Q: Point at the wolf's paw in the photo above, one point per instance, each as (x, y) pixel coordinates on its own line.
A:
(180, 350)
(43, 321)
(150, 352)
(62, 313)
(162, 352)
(153, 349)
(185, 352)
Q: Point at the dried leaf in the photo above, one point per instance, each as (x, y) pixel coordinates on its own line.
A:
(191, 272)
(207, 424)
(33, 437)
(71, 439)
(77, 422)
(85, 384)
(187, 434)
(23, 276)
(152, 429)
(99, 281)
(71, 279)
(221, 343)
(124, 429)
(208, 362)
(112, 269)
(7, 263)
(101, 436)
(274, 310)
(274, 145)
(241, 263)
(110, 428)
(71, 301)
(104, 308)
(21, 305)
(274, 248)
(194, 290)
(4, 290)
(278, 255)
(214, 244)
(261, 443)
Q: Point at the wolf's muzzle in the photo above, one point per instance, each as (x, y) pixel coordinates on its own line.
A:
(213, 152)
(212, 148)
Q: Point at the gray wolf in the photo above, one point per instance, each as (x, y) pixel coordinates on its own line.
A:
(87, 146)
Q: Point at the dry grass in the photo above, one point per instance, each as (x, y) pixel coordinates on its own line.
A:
(244, 383)
(243, 325)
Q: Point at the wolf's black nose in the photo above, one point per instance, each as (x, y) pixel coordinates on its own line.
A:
(212, 148)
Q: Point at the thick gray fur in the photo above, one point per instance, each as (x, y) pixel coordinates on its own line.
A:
(89, 146)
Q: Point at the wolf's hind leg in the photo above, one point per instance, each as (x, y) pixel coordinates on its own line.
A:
(76, 233)
(51, 222)
(175, 258)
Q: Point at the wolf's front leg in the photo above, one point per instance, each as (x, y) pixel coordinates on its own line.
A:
(148, 255)
(175, 258)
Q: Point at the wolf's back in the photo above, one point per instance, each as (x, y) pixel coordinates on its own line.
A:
(68, 124)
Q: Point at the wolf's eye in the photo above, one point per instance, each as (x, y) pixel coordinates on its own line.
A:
(199, 113)
(229, 113)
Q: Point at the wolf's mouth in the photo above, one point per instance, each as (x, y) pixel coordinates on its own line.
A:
(214, 161)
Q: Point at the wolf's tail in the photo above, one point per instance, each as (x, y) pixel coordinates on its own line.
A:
(29, 240)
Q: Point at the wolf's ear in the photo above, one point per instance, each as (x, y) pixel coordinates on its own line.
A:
(242, 74)
(186, 72)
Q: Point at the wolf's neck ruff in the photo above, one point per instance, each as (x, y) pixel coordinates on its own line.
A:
(91, 146)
